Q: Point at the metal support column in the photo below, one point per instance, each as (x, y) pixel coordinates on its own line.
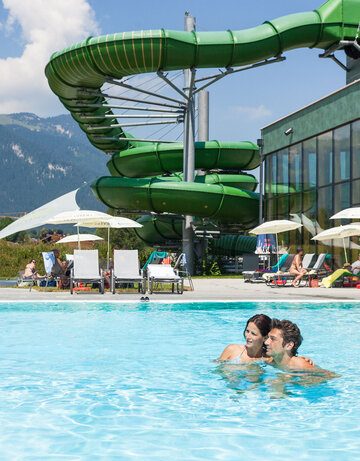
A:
(203, 135)
(260, 143)
(203, 115)
(189, 151)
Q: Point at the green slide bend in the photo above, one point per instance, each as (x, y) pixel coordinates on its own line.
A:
(78, 73)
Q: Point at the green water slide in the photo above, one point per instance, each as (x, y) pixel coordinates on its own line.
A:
(78, 73)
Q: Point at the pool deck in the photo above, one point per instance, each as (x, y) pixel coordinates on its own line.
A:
(205, 290)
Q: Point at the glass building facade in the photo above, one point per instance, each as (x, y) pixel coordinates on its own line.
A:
(311, 180)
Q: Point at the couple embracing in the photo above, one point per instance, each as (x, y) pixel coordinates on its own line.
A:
(271, 340)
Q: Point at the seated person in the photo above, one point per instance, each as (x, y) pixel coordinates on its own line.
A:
(30, 270)
(60, 269)
(297, 267)
(107, 267)
(355, 267)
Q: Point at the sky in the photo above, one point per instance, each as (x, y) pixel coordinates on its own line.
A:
(240, 105)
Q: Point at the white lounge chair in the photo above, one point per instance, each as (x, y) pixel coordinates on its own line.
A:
(164, 273)
(25, 281)
(86, 269)
(127, 269)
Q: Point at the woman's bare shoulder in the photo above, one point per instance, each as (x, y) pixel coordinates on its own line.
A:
(231, 351)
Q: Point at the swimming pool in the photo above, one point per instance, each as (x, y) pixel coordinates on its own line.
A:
(86, 381)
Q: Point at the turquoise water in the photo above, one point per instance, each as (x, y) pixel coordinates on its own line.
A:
(84, 381)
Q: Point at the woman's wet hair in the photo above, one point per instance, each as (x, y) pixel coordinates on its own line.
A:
(262, 321)
(298, 250)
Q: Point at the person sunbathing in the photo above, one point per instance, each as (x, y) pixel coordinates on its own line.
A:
(297, 267)
(30, 271)
(60, 269)
(355, 266)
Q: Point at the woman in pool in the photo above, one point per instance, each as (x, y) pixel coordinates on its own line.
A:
(255, 334)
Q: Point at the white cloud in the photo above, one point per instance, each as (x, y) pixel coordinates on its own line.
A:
(253, 113)
(47, 26)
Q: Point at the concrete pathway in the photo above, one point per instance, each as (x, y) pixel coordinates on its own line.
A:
(205, 289)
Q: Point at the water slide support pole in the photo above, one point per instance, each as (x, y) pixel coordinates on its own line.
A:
(203, 116)
(189, 151)
(203, 135)
(260, 143)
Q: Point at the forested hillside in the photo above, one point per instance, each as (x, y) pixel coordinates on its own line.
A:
(42, 158)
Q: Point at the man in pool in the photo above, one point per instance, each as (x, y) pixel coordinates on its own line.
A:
(282, 344)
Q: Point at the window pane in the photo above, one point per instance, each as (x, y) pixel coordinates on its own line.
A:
(325, 209)
(294, 240)
(309, 221)
(270, 166)
(341, 197)
(356, 149)
(270, 210)
(325, 158)
(282, 204)
(309, 159)
(295, 204)
(282, 182)
(341, 201)
(342, 153)
(355, 192)
(295, 168)
(324, 212)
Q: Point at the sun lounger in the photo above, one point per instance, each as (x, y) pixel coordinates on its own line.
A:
(269, 277)
(49, 259)
(86, 269)
(164, 273)
(257, 276)
(335, 277)
(314, 270)
(318, 266)
(318, 269)
(26, 281)
(127, 269)
(181, 261)
(282, 278)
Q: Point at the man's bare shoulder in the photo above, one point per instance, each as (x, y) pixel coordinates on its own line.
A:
(299, 363)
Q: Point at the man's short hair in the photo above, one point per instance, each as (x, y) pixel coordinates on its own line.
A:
(290, 333)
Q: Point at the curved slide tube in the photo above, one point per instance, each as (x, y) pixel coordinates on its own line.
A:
(77, 74)
(165, 229)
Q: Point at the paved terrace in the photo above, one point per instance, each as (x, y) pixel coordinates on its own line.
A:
(205, 289)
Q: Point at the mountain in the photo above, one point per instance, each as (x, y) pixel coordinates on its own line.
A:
(43, 158)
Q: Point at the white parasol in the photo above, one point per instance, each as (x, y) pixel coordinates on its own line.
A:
(339, 232)
(275, 227)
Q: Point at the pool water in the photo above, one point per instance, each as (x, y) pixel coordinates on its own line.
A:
(83, 381)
